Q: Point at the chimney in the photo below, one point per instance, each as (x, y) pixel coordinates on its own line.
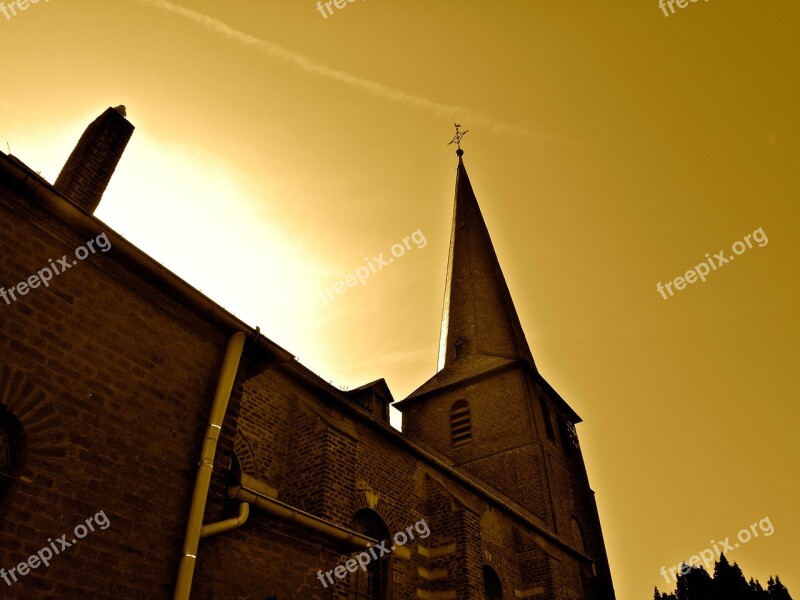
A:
(86, 174)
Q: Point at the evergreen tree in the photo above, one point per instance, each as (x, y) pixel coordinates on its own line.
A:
(757, 591)
(659, 596)
(776, 589)
(696, 584)
(728, 583)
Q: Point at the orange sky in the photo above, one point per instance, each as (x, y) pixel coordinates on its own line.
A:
(610, 147)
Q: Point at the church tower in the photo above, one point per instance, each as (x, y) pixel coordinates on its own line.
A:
(489, 409)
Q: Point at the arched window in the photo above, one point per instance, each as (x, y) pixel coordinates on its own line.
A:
(492, 586)
(577, 536)
(374, 583)
(6, 456)
(10, 448)
(569, 436)
(460, 424)
(548, 420)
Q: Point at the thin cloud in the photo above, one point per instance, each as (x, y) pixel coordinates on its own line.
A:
(313, 67)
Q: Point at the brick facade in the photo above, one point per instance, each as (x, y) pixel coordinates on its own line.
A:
(110, 373)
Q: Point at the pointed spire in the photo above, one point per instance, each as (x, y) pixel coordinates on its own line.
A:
(479, 319)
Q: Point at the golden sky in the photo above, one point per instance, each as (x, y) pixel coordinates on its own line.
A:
(611, 147)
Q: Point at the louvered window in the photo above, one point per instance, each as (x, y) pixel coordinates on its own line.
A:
(460, 424)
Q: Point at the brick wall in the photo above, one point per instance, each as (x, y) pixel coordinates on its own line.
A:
(111, 379)
(505, 450)
(112, 383)
(512, 451)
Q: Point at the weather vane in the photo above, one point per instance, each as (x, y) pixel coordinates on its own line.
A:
(457, 137)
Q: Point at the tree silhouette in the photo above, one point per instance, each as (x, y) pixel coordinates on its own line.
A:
(695, 585)
(776, 589)
(758, 592)
(728, 583)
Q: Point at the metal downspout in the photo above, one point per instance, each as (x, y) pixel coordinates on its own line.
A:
(194, 525)
(210, 529)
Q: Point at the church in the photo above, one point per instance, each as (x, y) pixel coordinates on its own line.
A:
(152, 445)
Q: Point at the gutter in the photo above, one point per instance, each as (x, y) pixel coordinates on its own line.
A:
(255, 492)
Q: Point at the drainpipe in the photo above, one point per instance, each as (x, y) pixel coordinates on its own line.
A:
(228, 524)
(194, 526)
(249, 491)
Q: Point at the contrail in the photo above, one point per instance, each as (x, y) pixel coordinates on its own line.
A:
(309, 65)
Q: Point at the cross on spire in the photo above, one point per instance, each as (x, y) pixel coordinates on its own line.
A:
(457, 138)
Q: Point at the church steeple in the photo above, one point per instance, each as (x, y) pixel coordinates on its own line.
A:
(490, 411)
(479, 320)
